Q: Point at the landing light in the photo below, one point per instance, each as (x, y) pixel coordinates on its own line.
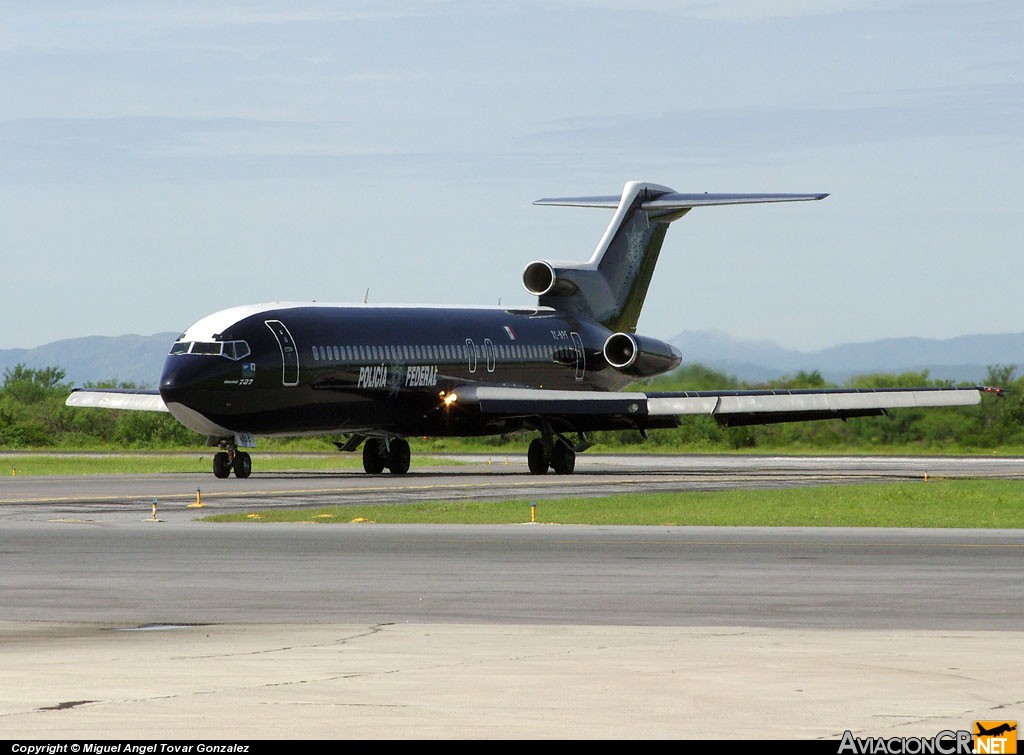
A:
(449, 398)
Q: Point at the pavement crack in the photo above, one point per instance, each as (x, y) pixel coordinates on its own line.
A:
(368, 632)
(67, 705)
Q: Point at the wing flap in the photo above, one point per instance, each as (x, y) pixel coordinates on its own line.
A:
(537, 401)
(141, 401)
(795, 402)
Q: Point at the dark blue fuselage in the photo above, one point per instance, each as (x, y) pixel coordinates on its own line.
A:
(318, 369)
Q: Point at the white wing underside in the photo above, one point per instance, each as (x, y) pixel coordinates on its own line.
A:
(498, 400)
(111, 399)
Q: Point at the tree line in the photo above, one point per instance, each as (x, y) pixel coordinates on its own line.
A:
(997, 422)
(33, 415)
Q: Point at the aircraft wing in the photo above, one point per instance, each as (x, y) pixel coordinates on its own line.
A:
(729, 408)
(735, 408)
(135, 400)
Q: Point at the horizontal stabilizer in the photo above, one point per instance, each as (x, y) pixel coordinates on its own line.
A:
(140, 401)
(673, 201)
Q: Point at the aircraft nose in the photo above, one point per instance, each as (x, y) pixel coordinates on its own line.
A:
(183, 374)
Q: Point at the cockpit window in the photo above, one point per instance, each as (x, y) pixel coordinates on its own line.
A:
(207, 348)
(234, 350)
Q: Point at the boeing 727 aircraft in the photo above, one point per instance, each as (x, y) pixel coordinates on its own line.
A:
(376, 375)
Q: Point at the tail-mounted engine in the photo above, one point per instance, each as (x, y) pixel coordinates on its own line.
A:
(640, 356)
(541, 279)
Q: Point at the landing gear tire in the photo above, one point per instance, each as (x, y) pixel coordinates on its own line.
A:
(399, 456)
(373, 459)
(535, 457)
(242, 465)
(563, 458)
(221, 464)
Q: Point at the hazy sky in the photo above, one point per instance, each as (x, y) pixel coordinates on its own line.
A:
(159, 161)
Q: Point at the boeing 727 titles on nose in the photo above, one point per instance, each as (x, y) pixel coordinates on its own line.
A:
(375, 375)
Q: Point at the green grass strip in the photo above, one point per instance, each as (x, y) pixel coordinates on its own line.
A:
(958, 504)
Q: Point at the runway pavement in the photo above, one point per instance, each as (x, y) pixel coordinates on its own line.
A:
(116, 626)
(469, 477)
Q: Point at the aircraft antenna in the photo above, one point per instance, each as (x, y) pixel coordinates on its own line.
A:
(366, 296)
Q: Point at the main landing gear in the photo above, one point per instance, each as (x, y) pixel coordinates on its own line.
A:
(555, 452)
(231, 459)
(392, 453)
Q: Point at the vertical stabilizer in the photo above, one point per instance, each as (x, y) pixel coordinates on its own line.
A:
(611, 287)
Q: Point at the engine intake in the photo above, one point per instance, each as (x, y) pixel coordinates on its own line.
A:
(639, 355)
(541, 279)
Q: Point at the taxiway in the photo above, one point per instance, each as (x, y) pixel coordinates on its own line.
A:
(117, 626)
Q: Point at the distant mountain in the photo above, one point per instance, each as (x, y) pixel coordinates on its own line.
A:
(965, 358)
(93, 359)
(139, 359)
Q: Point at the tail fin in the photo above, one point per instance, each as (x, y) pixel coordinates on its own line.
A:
(611, 287)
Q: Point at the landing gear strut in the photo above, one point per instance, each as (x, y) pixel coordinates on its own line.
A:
(231, 459)
(392, 453)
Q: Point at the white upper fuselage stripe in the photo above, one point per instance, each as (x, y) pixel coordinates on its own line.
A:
(218, 322)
